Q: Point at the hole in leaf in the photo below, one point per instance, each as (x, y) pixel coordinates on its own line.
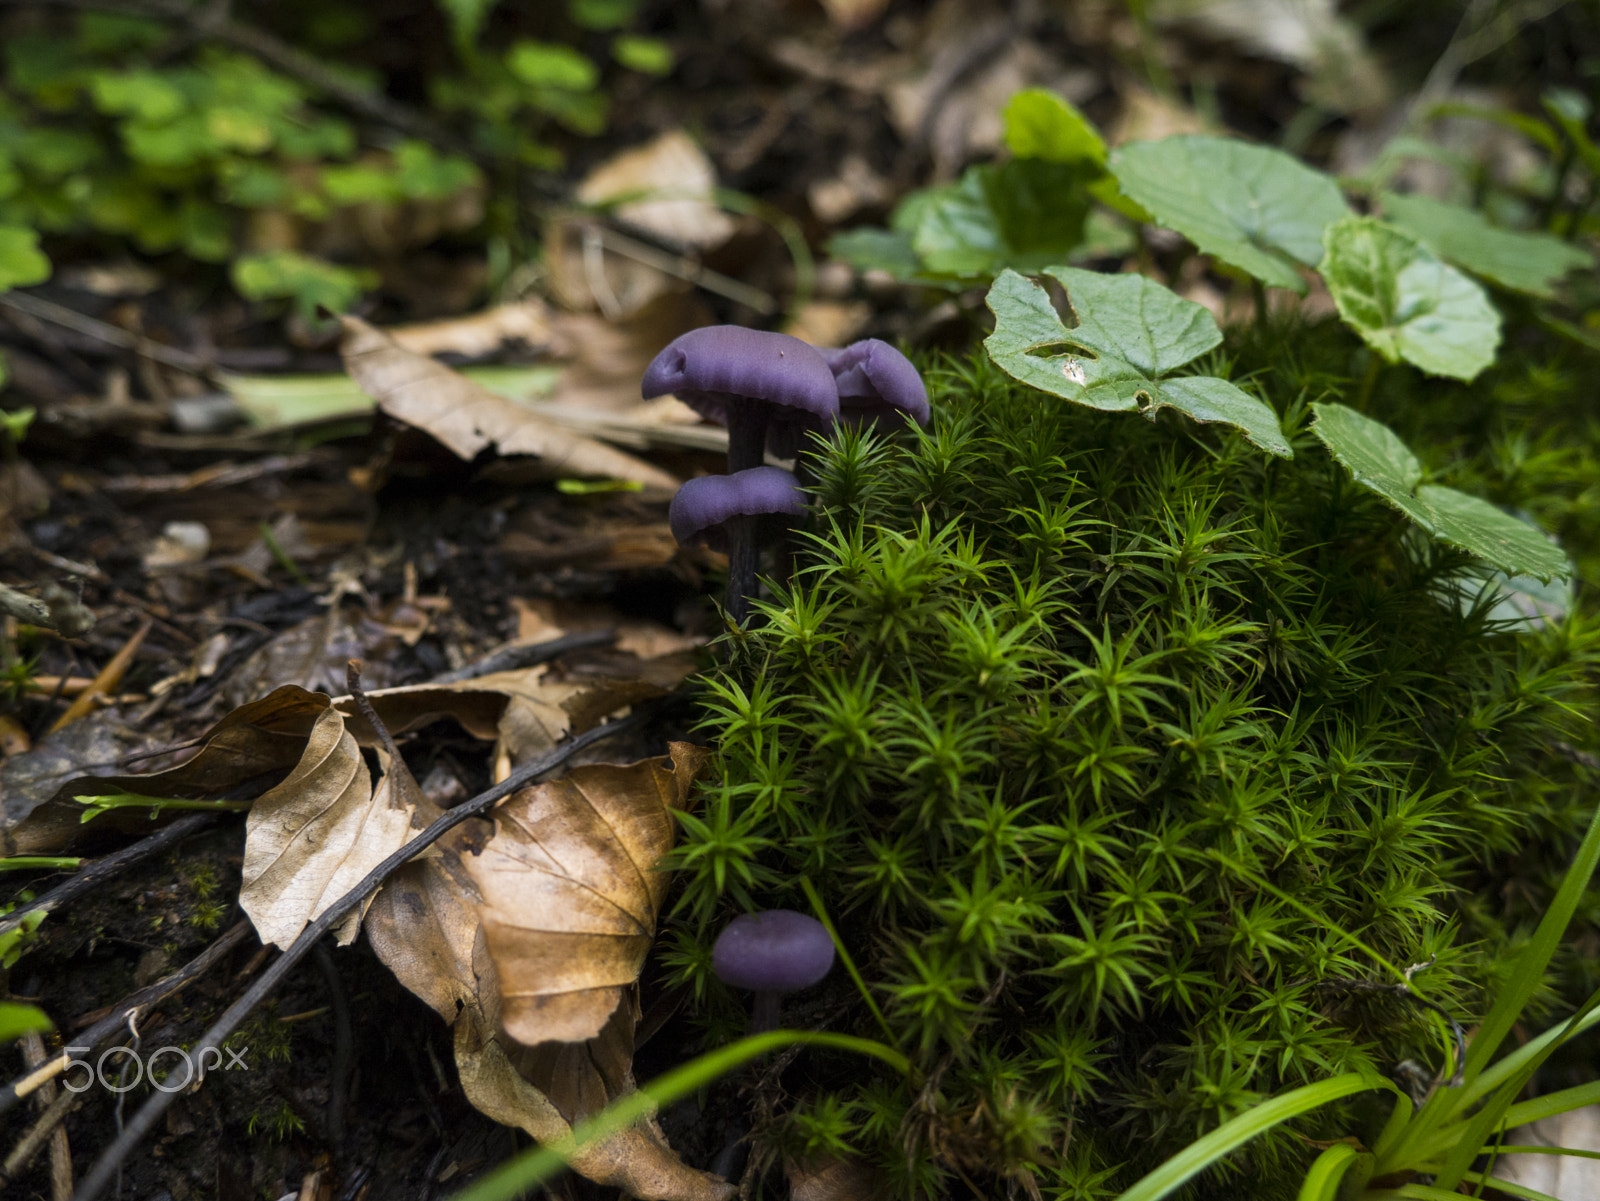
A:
(1059, 301)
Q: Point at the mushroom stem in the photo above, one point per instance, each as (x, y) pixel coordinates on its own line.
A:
(743, 550)
(764, 1013)
(747, 436)
(747, 447)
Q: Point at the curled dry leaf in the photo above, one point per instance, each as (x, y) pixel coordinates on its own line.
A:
(468, 418)
(561, 894)
(243, 754)
(312, 838)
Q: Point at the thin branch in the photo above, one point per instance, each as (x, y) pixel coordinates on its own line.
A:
(511, 658)
(54, 608)
(103, 869)
(106, 1167)
(216, 26)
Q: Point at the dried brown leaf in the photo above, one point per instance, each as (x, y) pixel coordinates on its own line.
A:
(570, 891)
(636, 1160)
(468, 418)
(834, 1180)
(244, 754)
(425, 925)
(665, 187)
(312, 838)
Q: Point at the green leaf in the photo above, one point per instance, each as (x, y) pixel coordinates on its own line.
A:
(466, 18)
(1259, 209)
(147, 95)
(1130, 333)
(648, 56)
(548, 65)
(308, 281)
(1235, 1132)
(1523, 262)
(602, 15)
(873, 249)
(1407, 304)
(1380, 461)
(21, 261)
(1517, 601)
(1024, 214)
(17, 1019)
(1040, 124)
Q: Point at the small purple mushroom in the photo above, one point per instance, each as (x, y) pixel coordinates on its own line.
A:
(724, 512)
(877, 384)
(772, 953)
(745, 379)
(878, 387)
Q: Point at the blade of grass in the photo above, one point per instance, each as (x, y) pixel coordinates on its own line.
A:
(535, 1166)
(1506, 1186)
(1323, 1178)
(844, 958)
(1572, 1151)
(1549, 1105)
(1529, 972)
(1235, 1132)
(1525, 977)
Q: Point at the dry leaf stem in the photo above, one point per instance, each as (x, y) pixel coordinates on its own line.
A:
(103, 869)
(106, 1167)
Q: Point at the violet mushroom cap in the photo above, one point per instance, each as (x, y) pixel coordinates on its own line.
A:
(876, 382)
(776, 951)
(718, 366)
(878, 387)
(702, 507)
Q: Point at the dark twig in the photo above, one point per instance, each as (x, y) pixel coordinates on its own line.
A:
(344, 1045)
(101, 870)
(1404, 991)
(512, 657)
(270, 50)
(117, 1019)
(106, 1167)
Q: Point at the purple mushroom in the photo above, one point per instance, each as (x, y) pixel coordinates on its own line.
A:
(746, 379)
(772, 953)
(877, 385)
(725, 512)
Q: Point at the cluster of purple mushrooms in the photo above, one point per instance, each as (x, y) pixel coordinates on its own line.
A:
(772, 391)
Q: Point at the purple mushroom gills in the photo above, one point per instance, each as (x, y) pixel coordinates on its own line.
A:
(727, 512)
(878, 387)
(746, 379)
(772, 953)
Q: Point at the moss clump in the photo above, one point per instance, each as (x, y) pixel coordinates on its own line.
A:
(1102, 740)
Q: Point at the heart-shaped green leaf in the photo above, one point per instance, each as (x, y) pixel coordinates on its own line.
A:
(1405, 302)
(1257, 208)
(1040, 124)
(1130, 333)
(1523, 262)
(1379, 460)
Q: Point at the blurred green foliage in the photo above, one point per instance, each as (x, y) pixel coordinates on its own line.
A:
(135, 133)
